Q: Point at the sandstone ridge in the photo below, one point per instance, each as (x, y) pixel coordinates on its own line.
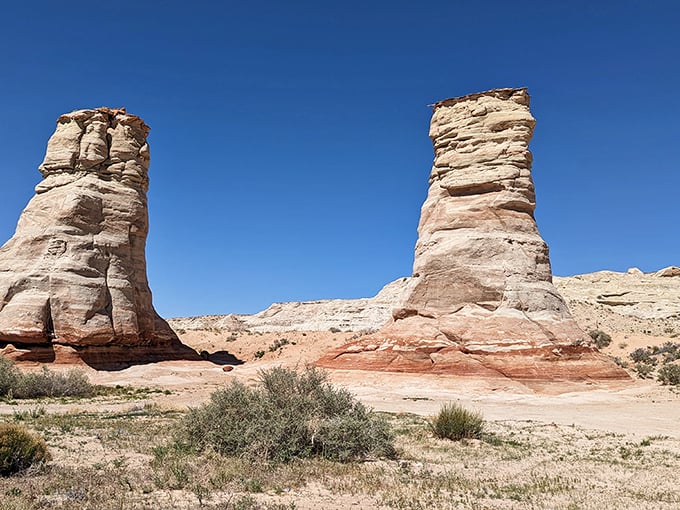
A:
(74, 273)
(652, 306)
(357, 315)
(630, 302)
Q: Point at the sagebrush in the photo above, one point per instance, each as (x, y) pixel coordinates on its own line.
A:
(17, 384)
(669, 374)
(600, 338)
(455, 422)
(287, 415)
(19, 449)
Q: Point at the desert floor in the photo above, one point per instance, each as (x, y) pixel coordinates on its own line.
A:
(558, 445)
(639, 406)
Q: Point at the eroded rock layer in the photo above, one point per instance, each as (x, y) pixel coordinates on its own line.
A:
(481, 300)
(74, 273)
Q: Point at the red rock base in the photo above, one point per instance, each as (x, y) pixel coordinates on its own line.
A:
(486, 348)
(580, 364)
(102, 357)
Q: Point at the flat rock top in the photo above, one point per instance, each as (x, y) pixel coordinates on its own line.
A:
(501, 93)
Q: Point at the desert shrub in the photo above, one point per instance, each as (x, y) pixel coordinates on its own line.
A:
(52, 384)
(9, 375)
(669, 374)
(335, 330)
(600, 338)
(644, 370)
(287, 415)
(669, 350)
(620, 362)
(455, 422)
(19, 449)
(17, 384)
(278, 344)
(641, 355)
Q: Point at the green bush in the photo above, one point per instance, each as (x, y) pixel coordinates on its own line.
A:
(455, 422)
(669, 350)
(287, 415)
(641, 355)
(278, 344)
(17, 384)
(644, 370)
(600, 338)
(9, 376)
(669, 374)
(19, 449)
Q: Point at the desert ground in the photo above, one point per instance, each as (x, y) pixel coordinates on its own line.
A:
(547, 445)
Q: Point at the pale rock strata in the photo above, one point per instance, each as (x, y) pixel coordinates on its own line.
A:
(481, 300)
(74, 273)
(625, 302)
(647, 303)
(359, 315)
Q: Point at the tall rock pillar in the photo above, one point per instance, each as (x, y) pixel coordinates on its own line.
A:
(481, 299)
(74, 273)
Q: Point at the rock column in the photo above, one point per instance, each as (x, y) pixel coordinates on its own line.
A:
(481, 299)
(74, 273)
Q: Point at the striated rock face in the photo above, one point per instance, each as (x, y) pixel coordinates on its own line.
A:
(481, 300)
(74, 273)
(630, 302)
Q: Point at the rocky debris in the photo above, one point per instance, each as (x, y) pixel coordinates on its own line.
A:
(628, 302)
(481, 299)
(74, 273)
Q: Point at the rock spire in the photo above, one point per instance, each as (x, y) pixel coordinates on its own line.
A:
(481, 299)
(74, 273)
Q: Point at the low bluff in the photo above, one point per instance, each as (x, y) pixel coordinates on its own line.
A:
(73, 281)
(481, 300)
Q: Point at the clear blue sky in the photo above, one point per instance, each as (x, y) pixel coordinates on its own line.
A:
(289, 148)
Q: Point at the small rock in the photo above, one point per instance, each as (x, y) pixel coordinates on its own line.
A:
(668, 271)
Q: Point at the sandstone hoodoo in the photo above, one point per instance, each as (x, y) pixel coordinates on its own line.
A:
(73, 277)
(481, 299)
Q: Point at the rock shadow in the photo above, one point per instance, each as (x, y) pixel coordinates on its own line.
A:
(221, 358)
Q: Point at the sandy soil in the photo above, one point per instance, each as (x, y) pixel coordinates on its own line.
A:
(587, 445)
(641, 407)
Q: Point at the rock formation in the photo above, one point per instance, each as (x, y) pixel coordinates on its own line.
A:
(630, 302)
(74, 273)
(359, 315)
(481, 299)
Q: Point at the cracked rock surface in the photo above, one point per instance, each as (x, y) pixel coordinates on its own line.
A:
(74, 273)
(481, 299)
